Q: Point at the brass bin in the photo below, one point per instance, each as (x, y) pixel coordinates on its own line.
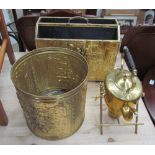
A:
(51, 86)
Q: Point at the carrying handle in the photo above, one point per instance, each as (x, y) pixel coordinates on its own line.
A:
(129, 60)
(78, 17)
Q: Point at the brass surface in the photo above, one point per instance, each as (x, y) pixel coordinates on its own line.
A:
(123, 85)
(117, 108)
(51, 87)
(124, 124)
(127, 112)
(100, 54)
(123, 90)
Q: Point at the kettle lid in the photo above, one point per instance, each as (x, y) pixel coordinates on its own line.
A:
(124, 85)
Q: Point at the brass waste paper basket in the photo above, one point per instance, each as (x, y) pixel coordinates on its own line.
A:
(97, 39)
(51, 86)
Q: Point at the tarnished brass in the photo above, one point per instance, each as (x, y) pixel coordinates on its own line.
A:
(100, 54)
(51, 87)
(123, 90)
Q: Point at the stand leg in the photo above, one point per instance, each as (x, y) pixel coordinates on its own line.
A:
(118, 120)
(101, 121)
(136, 126)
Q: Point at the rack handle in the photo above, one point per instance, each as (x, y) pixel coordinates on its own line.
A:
(78, 17)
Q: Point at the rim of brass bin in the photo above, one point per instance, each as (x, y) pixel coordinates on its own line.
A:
(38, 50)
(71, 115)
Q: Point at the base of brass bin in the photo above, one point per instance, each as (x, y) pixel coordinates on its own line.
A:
(102, 124)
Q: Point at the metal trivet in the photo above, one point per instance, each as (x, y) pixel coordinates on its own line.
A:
(136, 124)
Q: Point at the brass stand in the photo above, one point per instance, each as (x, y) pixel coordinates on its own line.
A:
(101, 96)
(136, 124)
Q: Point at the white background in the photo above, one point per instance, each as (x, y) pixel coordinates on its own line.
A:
(77, 4)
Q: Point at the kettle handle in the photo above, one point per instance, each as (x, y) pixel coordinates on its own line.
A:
(129, 60)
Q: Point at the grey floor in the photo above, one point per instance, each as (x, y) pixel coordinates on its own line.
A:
(15, 47)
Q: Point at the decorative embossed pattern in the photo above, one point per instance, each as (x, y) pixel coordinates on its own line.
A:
(44, 71)
(100, 55)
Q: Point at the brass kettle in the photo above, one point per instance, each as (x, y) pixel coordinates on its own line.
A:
(123, 89)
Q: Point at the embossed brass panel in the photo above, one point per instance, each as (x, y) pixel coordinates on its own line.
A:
(99, 53)
(51, 87)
